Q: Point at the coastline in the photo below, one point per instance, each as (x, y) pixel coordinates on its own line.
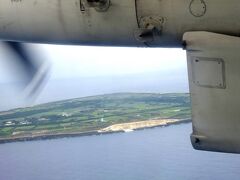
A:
(104, 131)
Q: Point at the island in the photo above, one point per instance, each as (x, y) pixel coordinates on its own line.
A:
(94, 115)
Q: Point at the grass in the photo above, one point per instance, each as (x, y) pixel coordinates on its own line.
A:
(86, 114)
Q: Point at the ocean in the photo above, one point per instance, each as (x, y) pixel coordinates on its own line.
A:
(152, 154)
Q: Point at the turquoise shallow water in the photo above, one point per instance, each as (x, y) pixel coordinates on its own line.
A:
(152, 154)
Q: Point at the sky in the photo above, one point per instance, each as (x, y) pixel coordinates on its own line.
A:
(78, 71)
(74, 61)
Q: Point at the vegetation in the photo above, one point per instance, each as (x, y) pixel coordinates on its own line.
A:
(92, 113)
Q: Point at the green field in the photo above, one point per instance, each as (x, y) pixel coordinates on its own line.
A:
(92, 113)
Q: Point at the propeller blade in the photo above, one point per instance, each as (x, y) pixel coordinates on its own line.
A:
(35, 74)
(23, 58)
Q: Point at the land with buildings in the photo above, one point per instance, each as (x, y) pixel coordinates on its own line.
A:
(122, 112)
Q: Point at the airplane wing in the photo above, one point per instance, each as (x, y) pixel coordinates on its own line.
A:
(214, 71)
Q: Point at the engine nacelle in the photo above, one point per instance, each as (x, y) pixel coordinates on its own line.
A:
(150, 23)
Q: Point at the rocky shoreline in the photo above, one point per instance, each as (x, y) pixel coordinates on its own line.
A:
(88, 133)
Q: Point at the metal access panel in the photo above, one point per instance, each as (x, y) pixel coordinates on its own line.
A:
(208, 72)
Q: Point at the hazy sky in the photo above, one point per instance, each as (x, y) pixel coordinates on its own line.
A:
(74, 61)
(80, 71)
(78, 61)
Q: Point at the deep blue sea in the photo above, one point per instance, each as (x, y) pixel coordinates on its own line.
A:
(151, 154)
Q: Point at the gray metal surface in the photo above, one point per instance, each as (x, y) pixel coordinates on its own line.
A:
(79, 22)
(208, 72)
(215, 110)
